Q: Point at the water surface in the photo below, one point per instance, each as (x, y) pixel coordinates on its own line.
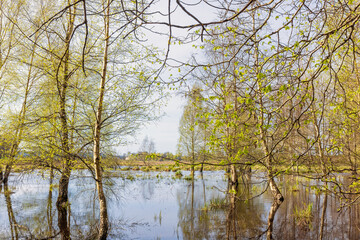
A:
(156, 205)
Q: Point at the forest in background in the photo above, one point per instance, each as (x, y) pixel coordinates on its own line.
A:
(271, 83)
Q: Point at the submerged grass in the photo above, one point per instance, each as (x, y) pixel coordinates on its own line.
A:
(304, 216)
(216, 204)
(178, 174)
(188, 178)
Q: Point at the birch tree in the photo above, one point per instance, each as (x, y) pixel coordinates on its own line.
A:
(191, 130)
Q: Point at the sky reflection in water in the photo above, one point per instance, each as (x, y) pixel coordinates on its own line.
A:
(156, 205)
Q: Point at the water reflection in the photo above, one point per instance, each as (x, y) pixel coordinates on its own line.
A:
(222, 217)
(323, 216)
(193, 220)
(49, 208)
(158, 206)
(14, 228)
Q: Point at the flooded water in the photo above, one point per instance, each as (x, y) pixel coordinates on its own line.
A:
(156, 205)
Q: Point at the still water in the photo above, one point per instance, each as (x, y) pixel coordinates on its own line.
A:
(156, 205)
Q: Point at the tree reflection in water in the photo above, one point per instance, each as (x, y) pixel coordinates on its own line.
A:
(14, 228)
(33, 217)
(198, 209)
(220, 217)
(49, 209)
(323, 216)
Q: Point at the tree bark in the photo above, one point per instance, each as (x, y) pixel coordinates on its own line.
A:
(104, 222)
(274, 207)
(269, 165)
(62, 202)
(263, 132)
(5, 177)
(233, 177)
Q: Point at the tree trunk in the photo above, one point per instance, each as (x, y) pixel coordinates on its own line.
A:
(275, 190)
(269, 165)
(233, 177)
(62, 205)
(104, 222)
(274, 207)
(62, 200)
(13, 152)
(5, 177)
(192, 172)
(263, 133)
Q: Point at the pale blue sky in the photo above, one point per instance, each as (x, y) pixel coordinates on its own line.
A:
(165, 132)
